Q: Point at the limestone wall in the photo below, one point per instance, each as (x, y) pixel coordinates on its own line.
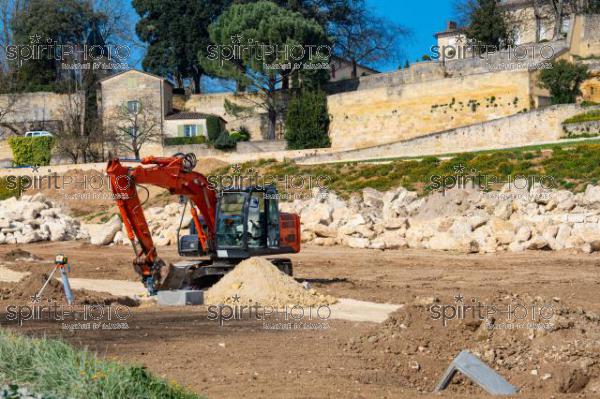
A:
(585, 36)
(531, 128)
(32, 110)
(382, 115)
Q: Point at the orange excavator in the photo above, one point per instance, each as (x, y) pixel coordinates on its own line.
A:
(228, 224)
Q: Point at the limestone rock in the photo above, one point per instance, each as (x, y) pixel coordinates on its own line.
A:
(103, 234)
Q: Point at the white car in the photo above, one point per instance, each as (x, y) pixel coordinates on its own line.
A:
(38, 133)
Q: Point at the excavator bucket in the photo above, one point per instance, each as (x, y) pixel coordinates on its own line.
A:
(174, 277)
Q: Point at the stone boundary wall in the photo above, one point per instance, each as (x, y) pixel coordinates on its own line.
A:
(433, 70)
(378, 116)
(581, 129)
(531, 128)
(246, 147)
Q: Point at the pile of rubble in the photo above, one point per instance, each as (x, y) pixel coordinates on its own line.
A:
(33, 218)
(464, 220)
(162, 221)
(550, 351)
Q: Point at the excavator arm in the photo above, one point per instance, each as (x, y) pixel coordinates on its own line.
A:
(175, 174)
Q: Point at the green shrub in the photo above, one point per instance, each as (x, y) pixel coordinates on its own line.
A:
(31, 150)
(563, 81)
(307, 121)
(242, 132)
(51, 367)
(587, 103)
(185, 140)
(224, 141)
(235, 136)
(213, 128)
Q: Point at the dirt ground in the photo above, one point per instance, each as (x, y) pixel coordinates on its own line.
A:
(401, 358)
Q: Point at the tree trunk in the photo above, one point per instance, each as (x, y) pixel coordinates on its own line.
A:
(272, 123)
(196, 77)
(558, 17)
(354, 69)
(285, 82)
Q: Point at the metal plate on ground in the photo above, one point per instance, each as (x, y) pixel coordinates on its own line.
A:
(479, 372)
(180, 297)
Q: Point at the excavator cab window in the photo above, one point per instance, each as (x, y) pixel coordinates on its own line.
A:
(230, 223)
(257, 220)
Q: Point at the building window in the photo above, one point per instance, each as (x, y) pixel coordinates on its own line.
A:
(565, 25)
(133, 106)
(190, 130)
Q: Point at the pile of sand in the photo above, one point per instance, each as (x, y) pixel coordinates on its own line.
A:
(256, 280)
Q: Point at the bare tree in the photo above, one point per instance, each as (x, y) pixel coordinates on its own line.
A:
(367, 38)
(71, 139)
(555, 12)
(135, 124)
(9, 102)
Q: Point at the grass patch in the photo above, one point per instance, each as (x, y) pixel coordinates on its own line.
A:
(54, 368)
(570, 165)
(7, 190)
(588, 116)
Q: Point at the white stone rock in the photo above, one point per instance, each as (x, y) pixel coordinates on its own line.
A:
(103, 234)
(503, 210)
(321, 230)
(536, 243)
(57, 230)
(355, 242)
(523, 234)
(372, 197)
(591, 196)
(319, 213)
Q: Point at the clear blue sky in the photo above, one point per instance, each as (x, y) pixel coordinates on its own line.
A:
(423, 18)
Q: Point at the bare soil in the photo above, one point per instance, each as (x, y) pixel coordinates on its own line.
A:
(401, 358)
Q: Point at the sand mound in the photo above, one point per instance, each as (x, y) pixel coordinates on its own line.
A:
(24, 290)
(256, 280)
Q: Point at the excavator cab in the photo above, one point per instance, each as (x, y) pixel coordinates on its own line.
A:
(247, 224)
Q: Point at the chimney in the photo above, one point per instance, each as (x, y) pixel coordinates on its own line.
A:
(451, 25)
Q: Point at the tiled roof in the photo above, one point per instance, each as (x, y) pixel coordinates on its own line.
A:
(189, 115)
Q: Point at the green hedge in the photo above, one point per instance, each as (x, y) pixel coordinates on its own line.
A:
(185, 140)
(213, 128)
(31, 150)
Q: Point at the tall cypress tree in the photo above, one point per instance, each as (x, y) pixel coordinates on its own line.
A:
(307, 121)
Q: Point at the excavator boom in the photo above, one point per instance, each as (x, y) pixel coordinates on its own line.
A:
(176, 175)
